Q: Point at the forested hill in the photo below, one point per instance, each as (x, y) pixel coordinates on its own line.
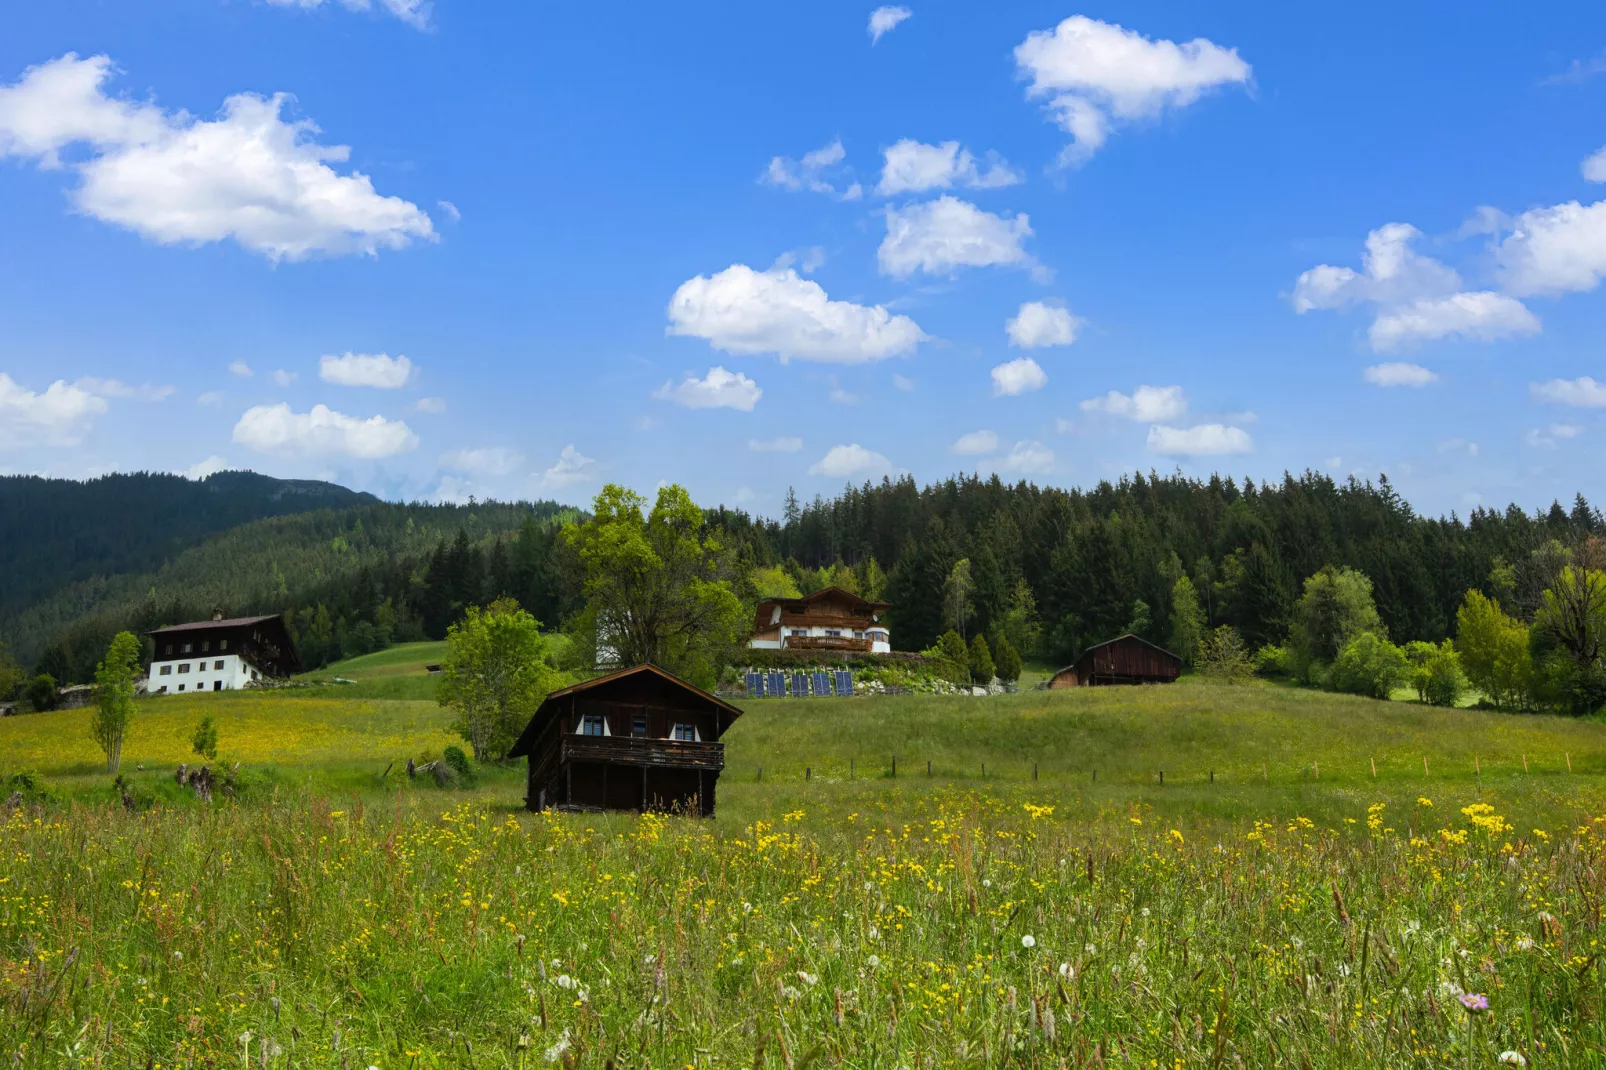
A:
(55, 532)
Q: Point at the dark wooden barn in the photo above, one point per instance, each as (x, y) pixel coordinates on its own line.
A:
(1127, 660)
(636, 739)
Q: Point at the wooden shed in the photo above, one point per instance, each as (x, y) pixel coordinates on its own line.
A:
(637, 739)
(1126, 660)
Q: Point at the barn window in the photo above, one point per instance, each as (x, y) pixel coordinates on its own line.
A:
(686, 733)
(591, 725)
(638, 725)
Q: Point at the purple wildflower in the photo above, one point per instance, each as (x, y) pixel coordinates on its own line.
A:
(1475, 1002)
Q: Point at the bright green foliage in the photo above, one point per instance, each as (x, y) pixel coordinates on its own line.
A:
(839, 576)
(494, 676)
(1336, 607)
(1573, 612)
(1141, 618)
(1007, 660)
(1019, 622)
(1273, 660)
(982, 669)
(1187, 619)
(1222, 656)
(41, 692)
(1369, 665)
(459, 764)
(953, 656)
(774, 582)
(204, 741)
(1495, 652)
(114, 696)
(1436, 672)
(956, 604)
(873, 582)
(660, 588)
(11, 674)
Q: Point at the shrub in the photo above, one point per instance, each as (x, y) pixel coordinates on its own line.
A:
(1007, 661)
(982, 669)
(1436, 673)
(1222, 656)
(204, 741)
(952, 657)
(41, 692)
(1369, 665)
(454, 757)
(1274, 660)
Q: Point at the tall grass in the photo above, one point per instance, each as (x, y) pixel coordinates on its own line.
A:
(958, 931)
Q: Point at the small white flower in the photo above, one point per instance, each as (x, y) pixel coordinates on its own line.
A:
(1513, 1058)
(650, 959)
(1145, 912)
(986, 883)
(1067, 971)
(875, 934)
(868, 885)
(1143, 945)
(1297, 942)
(747, 908)
(873, 961)
(1449, 989)
(1524, 944)
(810, 979)
(1028, 941)
(565, 981)
(789, 992)
(1090, 949)
(178, 956)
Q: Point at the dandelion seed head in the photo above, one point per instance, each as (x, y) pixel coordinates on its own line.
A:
(1028, 941)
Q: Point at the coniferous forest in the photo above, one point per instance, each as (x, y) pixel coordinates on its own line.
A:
(1062, 568)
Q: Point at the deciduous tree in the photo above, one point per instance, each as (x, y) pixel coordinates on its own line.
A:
(494, 675)
(1494, 651)
(114, 696)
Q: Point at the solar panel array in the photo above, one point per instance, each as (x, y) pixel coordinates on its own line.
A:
(818, 684)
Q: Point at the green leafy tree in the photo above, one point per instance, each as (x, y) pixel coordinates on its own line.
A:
(1222, 656)
(1495, 652)
(1369, 665)
(494, 675)
(41, 693)
(1007, 660)
(660, 588)
(956, 604)
(774, 582)
(1436, 673)
(114, 696)
(982, 669)
(11, 674)
(1187, 619)
(1141, 620)
(204, 741)
(1020, 624)
(1336, 607)
(873, 584)
(1573, 612)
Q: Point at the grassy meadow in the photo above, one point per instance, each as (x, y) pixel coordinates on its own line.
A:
(1063, 907)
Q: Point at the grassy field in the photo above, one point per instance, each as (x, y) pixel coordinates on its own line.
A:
(1066, 906)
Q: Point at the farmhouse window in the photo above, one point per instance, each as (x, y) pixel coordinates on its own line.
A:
(222, 644)
(638, 725)
(167, 670)
(184, 667)
(186, 648)
(206, 644)
(686, 733)
(800, 631)
(833, 631)
(218, 665)
(169, 648)
(591, 725)
(181, 687)
(162, 690)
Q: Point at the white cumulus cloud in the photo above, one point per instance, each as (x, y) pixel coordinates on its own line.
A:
(60, 416)
(209, 467)
(1399, 373)
(1582, 393)
(321, 432)
(1027, 457)
(1038, 324)
(174, 178)
(743, 311)
(940, 236)
(572, 467)
(913, 167)
(1018, 377)
(784, 444)
(241, 368)
(1415, 297)
(412, 12)
(1146, 404)
(1095, 75)
(975, 443)
(484, 461)
(431, 405)
(719, 389)
(1203, 440)
(884, 19)
(284, 378)
(377, 370)
(851, 460)
(1594, 168)
(819, 171)
(1554, 250)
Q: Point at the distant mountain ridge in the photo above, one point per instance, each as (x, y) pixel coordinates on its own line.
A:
(57, 532)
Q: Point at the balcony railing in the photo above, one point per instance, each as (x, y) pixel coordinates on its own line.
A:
(827, 642)
(643, 750)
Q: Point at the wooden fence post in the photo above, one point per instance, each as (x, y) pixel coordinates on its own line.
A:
(1425, 766)
(1374, 768)
(808, 772)
(850, 768)
(928, 766)
(1162, 778)
(1034, 770)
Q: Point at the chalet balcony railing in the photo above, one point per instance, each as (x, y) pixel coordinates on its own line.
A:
(827, 642)
(641, 750)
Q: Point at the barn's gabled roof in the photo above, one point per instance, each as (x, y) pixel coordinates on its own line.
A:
(1110, 642)
(548, 709)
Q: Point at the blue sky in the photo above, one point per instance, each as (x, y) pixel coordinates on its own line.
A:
(746, 247)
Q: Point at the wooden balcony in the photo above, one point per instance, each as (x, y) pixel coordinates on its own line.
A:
(844, 643)
(643, 751)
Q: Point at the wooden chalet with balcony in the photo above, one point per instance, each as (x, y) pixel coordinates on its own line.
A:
(221, 654)
(637, 739)
(830, 620)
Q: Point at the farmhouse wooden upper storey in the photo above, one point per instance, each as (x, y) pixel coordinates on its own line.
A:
(832, 619)
(260, 643)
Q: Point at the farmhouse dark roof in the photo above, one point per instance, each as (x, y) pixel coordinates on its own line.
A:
(549, 706)
(1119, 639)
(823, 592)
(202, 625)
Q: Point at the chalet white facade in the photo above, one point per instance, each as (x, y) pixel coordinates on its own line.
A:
(828, 620)
(220, 655)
